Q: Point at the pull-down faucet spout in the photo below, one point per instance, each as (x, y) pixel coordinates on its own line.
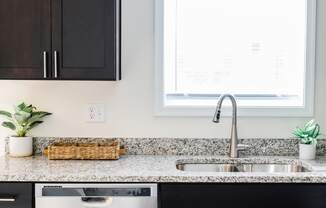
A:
(234, 146)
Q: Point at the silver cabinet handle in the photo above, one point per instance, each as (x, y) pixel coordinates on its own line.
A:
(55, 54)
(45, 64)
(7, 199)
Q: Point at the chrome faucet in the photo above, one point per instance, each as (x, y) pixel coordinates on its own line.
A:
(235, 147)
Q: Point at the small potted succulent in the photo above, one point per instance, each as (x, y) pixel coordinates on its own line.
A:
(24, 119)
(308, 136)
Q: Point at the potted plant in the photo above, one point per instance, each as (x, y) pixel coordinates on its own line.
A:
(308, 136)
(24, 119)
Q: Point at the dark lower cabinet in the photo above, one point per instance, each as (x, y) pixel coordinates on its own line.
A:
(16, 195)
(242, 195)
(201, 195)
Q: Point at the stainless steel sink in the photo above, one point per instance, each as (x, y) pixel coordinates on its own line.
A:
(198, 167)
(244, 167)
(273, 168)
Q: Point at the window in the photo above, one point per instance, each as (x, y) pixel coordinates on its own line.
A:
(262, 51)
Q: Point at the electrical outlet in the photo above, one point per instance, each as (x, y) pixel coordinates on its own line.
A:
(95, 113)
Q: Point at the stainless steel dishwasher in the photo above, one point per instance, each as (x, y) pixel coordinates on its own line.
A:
(96, 195)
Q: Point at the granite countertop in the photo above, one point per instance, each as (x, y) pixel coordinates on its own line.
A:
(147, 168)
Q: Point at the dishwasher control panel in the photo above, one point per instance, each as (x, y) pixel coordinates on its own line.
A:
(80, 191)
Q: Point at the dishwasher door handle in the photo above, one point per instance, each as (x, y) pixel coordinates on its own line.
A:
(96, 202)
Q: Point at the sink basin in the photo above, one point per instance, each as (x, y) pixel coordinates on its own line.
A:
(273, 168)
(207, 167)
(244, 167)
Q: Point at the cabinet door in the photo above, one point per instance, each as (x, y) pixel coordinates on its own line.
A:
(243, 195)
(86, 39)
(25, 35)
(16, 195)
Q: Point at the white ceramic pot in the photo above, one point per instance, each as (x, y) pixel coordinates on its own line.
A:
(20, 146)
(307, 151)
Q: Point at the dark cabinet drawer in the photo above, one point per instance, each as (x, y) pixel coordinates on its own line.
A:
(16, 195)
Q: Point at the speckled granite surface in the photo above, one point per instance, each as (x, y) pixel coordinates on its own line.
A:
(200, 146)
(146, 168)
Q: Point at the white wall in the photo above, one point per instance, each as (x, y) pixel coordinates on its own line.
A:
(130, 102)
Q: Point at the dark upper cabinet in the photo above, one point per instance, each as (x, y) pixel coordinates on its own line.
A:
(85, 39)
(60, 39)
(25, 38)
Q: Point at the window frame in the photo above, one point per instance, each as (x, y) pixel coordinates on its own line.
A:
(160, 109)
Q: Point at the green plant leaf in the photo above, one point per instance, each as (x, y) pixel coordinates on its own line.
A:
(41, 114)
(29, 109)
(33, 125)
(9, 125)
(36, 116)
(315, 134)
(5, 113)
(309, 123)
(25, 114)
(310, 128)
(21, 106)
(24, 119)
(309, 133)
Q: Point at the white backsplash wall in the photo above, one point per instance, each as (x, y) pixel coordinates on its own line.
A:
(129, 103)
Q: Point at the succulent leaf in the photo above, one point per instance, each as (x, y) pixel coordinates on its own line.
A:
(309, 133)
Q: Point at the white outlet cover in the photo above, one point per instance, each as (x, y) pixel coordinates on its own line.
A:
(95, 113)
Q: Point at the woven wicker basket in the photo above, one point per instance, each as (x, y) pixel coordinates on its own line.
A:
(84, 151)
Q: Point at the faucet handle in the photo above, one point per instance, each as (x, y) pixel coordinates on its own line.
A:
(242, 147)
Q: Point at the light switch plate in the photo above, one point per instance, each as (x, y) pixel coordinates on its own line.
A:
(95, 113)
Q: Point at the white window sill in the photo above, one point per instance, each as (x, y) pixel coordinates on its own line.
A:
(208, 111)
(190, 106)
